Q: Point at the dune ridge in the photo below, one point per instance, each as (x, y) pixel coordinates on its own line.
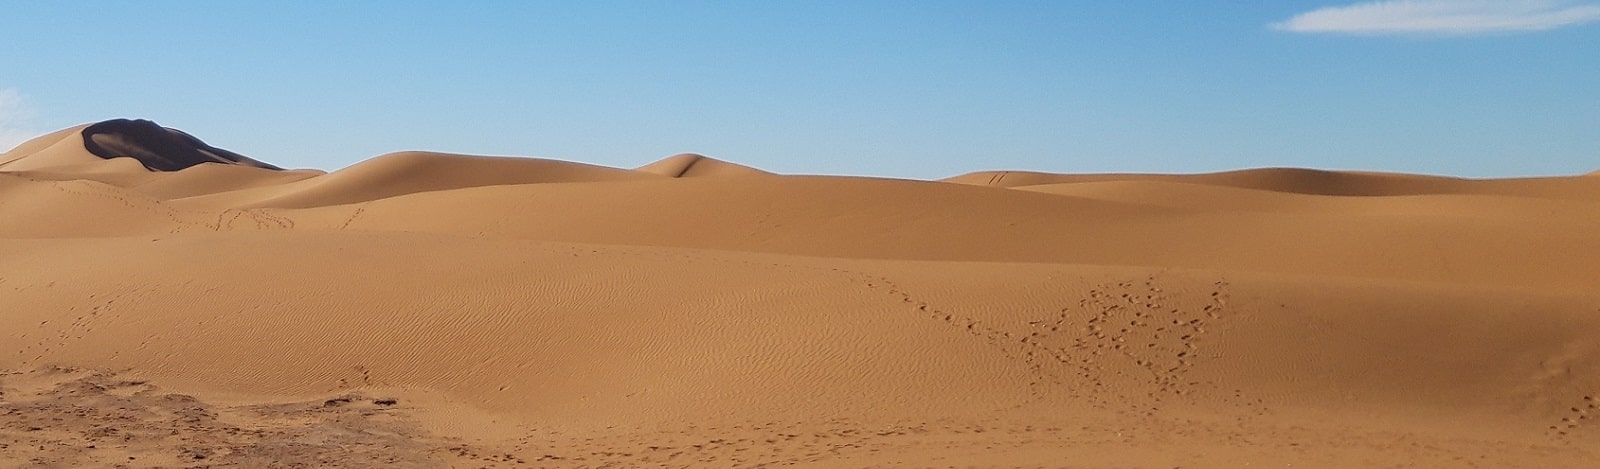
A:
(697, 165)
(156, 147)
(1311, 182)
(403, 173)
(429, 309)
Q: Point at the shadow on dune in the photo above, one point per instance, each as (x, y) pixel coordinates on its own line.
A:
(156, 147)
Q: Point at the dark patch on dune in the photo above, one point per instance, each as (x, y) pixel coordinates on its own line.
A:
(156, 147)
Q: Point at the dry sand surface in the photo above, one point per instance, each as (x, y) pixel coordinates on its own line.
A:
(171, 304)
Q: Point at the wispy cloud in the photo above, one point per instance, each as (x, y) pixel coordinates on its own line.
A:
(15, 115)
(1442, 17)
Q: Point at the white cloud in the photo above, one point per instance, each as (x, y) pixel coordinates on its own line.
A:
(1442, 17)
(15, 115)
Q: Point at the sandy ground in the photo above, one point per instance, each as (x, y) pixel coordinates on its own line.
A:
(172, 304)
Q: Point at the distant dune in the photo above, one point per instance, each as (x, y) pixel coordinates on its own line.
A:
(174, 304)
(152, 146)
(693, 165)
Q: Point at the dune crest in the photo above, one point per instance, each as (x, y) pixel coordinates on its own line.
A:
(36, 144)
(695, 165)
(412, 172)
(62, 148)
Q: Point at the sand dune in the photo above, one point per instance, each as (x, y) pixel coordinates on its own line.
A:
(1314, 182)
(416, 172)
(435, 310)
(152, 146)
(59, 148)
(156, 147)
(694, 165)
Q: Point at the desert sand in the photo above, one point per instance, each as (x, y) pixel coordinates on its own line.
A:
(171, 304)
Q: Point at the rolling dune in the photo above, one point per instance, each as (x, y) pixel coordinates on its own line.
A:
(1315, 182)
(173, 304)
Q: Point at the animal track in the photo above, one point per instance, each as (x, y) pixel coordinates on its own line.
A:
(1080, 352)
(261, 218)
(1131, 321)
(1578, 416)
(746, 444)
(353, 216)
(180, 218)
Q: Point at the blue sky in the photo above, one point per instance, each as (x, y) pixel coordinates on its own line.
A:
(918, 89)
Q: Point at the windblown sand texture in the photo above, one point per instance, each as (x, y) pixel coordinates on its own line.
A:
(171, 304)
